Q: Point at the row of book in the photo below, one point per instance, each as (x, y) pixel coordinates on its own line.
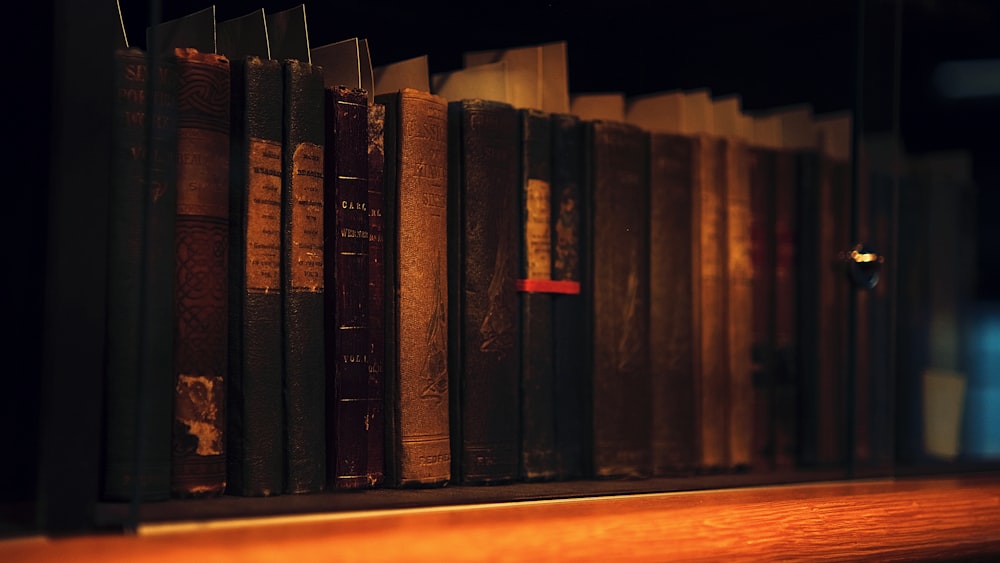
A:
(328, 276)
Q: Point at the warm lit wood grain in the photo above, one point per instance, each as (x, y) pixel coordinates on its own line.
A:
(867, 520)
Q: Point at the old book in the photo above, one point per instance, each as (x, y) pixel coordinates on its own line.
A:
(201, 283)
(536, 288)
(303, 287)
(672, 161)
(569, 258)
(617, 282)
(483, 307)
(143, 205)
(762, 154)
(255, 407)
(708, 258)
(730, 126)
(415, 242)
(375, 466)
(346, 273)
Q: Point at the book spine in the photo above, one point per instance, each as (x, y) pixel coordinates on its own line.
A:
(786, 352)
(303, 204)
(375, 428)
(139, 372)
(620, 389)
(670, 313)
(346, 271)
(255, 457)
(202, 231)
(538, 461)
(483, 296)
(762, 240)
(709, 276)
(568, 309)
(739, 306)
(416, 269)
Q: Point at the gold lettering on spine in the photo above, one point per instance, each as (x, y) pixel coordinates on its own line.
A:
(203, 173)
(537, 233)
(263, 228)
(307, 218)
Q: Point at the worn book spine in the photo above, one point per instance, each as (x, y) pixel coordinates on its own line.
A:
(619, 300)
(303, 204)
(709, 298)
(416, 276)
(139, 369)
(537, 460)
(568, 309)
(345, 310)
(255, 421)
(375, 427)
(785, 384)
(202, 276)
(762, 239)
(483, 266)
(739, 308)
(671, 337)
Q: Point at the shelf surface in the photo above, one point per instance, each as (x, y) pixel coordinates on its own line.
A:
(925, 518)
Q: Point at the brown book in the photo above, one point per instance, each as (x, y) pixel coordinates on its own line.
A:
(140, 286)
(345, 272)
(375, 465)
(483, 146)
(731, 127)
(303, 287)
(671, 292)
(618, 286)
(202, 231)
(416, 276)
(673, 155)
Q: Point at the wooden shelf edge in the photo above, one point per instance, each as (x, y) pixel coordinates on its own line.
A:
(927, 518)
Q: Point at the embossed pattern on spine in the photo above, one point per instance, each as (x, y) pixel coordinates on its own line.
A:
(416, 237)
(202, 230)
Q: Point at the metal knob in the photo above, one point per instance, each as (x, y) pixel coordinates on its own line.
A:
(863, 265)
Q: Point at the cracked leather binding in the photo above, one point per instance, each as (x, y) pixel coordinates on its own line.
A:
(255, 456)
(302, 278)
(345, 220)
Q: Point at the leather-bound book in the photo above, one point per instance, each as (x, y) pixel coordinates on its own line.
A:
(762, 238)
(415, 242)
(202, 276)
(672, 354)
(708, 257)
(568, 309)
(786, 366)
(618, 287)
(139, 369)
(483, 145)
(538, 461)
(739, 304)
(375, 466)
(255, 456)
(302, 236)
(345, 309)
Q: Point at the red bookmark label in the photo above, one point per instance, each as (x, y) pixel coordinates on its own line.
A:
(549, 286)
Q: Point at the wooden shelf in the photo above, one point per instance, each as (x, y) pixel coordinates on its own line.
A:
(926, 518)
